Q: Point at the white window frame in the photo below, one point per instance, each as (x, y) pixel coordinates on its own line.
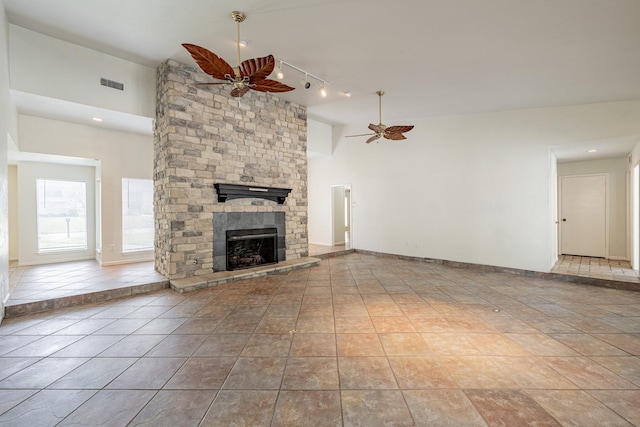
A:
(39, 227)
(125, 200)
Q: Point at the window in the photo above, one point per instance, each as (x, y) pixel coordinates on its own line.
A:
(137, 214)
(62, 215)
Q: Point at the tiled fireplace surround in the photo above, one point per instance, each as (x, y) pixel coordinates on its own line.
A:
(203, 137)
(242, 221)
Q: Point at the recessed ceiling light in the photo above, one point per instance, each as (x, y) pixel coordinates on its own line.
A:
(347, 94)
(243, 43)
(96, 119)
(593, 150)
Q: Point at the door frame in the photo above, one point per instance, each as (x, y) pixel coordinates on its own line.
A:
(606, 209)
(633, 223)
(349, 212)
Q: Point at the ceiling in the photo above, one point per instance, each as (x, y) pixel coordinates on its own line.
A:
(431, 57)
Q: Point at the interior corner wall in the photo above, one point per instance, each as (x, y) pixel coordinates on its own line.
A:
(320, 140)
(616, 169)
(13, 212)
(472, 188)
(319, 208)
(121, 155)
(554, 228)
(7, 117)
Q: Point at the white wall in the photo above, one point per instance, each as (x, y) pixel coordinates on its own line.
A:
(554, 228)
(121, 155)
(28, 173)
(7, 126)
(635, 159)
(319, 139)
(50, 67)
(617, 197)
(13, 212)
(319, 143)
(472, 188)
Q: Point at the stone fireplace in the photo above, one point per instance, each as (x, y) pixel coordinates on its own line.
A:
(205, 140)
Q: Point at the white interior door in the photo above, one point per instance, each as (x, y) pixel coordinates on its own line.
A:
(583, 215)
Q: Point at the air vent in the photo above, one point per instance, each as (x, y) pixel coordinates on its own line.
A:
(111, 84)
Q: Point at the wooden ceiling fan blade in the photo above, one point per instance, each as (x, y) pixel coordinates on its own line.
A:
(395, 136)
(267, 85)
(257, 68)
(373, 138)
(362, 134)
(209, 62)
(237, 93)
(212, 83)
(376, 128)
(399, 129)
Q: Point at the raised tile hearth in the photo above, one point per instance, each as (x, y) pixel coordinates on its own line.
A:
(208, 280)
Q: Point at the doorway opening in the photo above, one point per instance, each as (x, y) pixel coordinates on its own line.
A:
(635, 225)
(341, 216)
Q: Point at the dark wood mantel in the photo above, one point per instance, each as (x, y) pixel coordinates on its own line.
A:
(235, 191)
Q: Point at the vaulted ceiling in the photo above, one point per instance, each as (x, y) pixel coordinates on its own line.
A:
(431, 57)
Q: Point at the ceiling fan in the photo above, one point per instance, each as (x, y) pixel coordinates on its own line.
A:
(249, 74)
(380, 130)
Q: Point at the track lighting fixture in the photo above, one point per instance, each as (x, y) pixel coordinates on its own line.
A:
(280, 74)
(304, 81)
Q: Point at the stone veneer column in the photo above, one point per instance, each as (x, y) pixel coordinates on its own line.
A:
(204, 136)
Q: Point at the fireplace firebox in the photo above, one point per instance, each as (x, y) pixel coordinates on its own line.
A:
(251, 247)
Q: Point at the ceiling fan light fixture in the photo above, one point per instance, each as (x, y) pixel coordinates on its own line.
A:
(380, 130)
(250, 74)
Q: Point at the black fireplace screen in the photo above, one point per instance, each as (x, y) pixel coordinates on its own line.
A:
(250, 248)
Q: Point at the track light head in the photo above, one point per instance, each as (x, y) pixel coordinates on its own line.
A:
(307, 85)
(280, 74)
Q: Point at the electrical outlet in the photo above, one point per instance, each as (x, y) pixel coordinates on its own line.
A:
(112, 247)
(194, 262)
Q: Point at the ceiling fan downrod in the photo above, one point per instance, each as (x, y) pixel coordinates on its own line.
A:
(238, 17)
(380, 93)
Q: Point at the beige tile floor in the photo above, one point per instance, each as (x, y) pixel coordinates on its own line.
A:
(599, 268)
(48, 281)
(360, 340)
